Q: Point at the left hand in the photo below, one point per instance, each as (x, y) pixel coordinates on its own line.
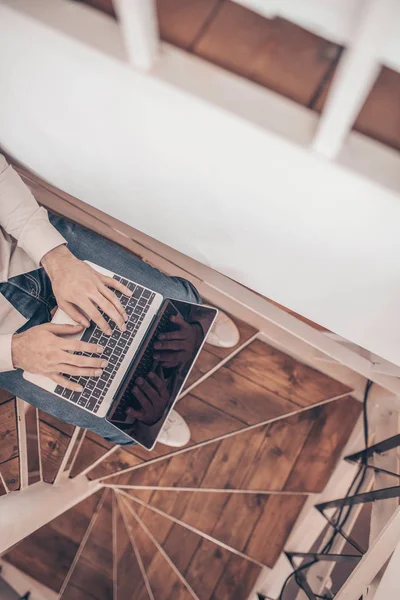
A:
(81, 291)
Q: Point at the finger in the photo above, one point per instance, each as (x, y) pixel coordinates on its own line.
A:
(173, 335)
(179, 320)
(175, 345)
(78, 346)
(151, 393)
(110, 310)
(159, 383)
(63, 329)
(116, 285)
(145, 403)
(74, 313)
(114, 300)
(60, 380)
(82, 372)
(97, 318)
(84, 361)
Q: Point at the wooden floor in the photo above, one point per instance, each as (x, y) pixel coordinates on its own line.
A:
(273, 53)
(288, 453)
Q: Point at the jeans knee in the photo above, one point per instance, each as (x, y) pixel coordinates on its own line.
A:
(191, 293)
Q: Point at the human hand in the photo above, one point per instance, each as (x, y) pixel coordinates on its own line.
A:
(41, 350)
(80, 290)
(152, 394)
(177, 347)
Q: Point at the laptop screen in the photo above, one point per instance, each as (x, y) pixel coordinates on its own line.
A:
(160, 369)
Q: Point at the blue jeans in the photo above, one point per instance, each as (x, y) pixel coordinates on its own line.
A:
(32, 295)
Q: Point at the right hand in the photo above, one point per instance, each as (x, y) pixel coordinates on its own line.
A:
(42, 350)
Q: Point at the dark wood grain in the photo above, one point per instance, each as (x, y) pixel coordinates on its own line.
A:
(275, 53)
(90, 452)
(229, 391)
(331, 429)
(53, 446)
(181, 21)
(8, 431)
(10, 472)
(5, 396)
(284, 376)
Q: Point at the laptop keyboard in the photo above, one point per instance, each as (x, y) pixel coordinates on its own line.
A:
(115, 347)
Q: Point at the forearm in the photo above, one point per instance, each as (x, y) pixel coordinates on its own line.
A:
(22, 218)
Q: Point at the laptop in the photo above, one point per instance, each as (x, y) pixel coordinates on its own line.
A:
(138, 411)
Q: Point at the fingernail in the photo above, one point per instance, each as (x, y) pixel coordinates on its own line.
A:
(128, 292)
(80, 388)
(139, 381)
(125, 316)
(108, 331)
(157, 345)
(98, 372)
(151, 375)
(100, 349)
(104, 363)
(123, 327)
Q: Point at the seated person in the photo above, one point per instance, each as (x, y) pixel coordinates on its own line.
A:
(41, 266)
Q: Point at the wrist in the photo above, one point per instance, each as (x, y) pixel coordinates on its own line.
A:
(16, 350)
(52, 258)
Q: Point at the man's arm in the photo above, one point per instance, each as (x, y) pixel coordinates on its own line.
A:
(22, 218)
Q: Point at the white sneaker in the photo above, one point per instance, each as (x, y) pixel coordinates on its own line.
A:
(175, 431)
(224, 332)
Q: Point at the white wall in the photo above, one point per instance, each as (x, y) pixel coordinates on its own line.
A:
(309, 234)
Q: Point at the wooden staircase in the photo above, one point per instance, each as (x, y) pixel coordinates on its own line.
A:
(198, 522)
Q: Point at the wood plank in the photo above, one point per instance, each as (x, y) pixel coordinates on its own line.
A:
(379, 118)
(118, 461)
(275, 53)
(93, 573)
(276, 522)
(161, 576)
(241, 398)
(3, 490)
(90, 452)
(284, 376)
(332, 427)
(45, 555)
(5, 396)
(10, 472)
(73, 524)
(33, 443)
(282, 444)
(237, 580)
(205, 362)
(181, 21)
(8, 431)
(206, 567)
(53, 446)
(55, 423)
(205, 421)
